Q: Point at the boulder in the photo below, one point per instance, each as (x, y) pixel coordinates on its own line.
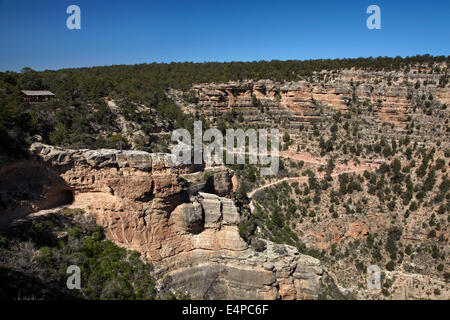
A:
(212, 210)
(192, 214)
(230, 214)
(135, 159)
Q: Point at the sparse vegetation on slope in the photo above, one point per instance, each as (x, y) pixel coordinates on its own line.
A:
(35, 255)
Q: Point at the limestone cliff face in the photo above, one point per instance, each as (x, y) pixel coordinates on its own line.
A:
(193, 242)
(301, 101)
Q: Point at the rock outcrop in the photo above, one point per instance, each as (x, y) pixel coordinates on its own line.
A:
(219, 183)
(103, 158)
(194, 244)
(304, 101)
(279, 272)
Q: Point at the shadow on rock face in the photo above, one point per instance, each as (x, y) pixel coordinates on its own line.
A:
(30, 186)
(219, 183)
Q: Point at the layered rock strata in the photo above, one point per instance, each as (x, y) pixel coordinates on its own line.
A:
(303, 101)
(194, 244)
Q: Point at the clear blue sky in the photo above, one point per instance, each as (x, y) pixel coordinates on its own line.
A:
(34, 33)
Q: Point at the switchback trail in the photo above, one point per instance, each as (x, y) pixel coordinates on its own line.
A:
(305, 178)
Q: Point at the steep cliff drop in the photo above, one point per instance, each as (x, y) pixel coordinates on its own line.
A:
(193, 242)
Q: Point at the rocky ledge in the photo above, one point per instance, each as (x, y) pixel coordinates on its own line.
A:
(101, 158)
(301, 101)
(220, 265)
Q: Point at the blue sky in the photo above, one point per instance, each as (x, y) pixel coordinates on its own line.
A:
(34, 33)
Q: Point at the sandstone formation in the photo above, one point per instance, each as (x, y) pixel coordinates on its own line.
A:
(194, 244)
(101, 158)
(306, 101)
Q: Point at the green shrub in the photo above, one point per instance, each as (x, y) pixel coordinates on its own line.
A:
(258, 245)
(413, 206)
(408, 250)
(390, 266)
(45, 256)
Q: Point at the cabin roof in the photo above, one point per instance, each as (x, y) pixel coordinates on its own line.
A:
(37, 93)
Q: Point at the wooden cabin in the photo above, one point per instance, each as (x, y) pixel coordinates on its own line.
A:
(37, 95)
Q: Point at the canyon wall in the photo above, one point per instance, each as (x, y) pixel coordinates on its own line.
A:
(305, 101)
(191, 239)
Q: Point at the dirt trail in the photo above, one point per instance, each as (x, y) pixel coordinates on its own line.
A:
(304, 156)
(339, 170)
